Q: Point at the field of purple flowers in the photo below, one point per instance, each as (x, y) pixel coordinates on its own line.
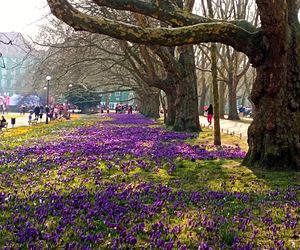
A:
(124, 182)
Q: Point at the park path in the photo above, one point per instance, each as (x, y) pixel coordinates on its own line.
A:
(20, 120)
(238, 128)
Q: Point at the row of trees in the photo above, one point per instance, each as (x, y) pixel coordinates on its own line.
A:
(98, 62)
(165, 60)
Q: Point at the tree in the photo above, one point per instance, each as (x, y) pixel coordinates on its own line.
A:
(85, 99)
(214, 72)
(274, 135)
(232, 66)
(179, 81)
(156, 66)
(93, 61)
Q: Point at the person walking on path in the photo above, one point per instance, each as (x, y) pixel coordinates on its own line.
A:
(36, 111)
(210, 113)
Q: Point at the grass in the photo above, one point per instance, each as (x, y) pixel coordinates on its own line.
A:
(204, 176)
(207, 137)
(17, 136)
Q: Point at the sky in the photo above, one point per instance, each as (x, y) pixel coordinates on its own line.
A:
(23, 16)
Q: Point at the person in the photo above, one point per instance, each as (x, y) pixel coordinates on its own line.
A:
(30, 116)
(47, 109)
(210, 113)
(36, 111)
(3, 121)
(241, 110)
(129, 110)
(22, 109)
(3, 109)
(101, 109)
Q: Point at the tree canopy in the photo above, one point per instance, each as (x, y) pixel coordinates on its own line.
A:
(186, 28)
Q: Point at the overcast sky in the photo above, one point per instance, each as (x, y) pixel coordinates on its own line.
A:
(22, 15)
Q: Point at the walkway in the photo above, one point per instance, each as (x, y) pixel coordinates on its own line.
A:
(238, 128)
(20, 120)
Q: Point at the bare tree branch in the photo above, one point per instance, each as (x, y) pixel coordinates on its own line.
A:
(224, 32)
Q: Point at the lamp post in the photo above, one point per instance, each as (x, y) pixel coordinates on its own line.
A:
(48, 78)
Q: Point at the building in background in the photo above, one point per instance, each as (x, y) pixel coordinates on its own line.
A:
(118, 97)
(14, 50)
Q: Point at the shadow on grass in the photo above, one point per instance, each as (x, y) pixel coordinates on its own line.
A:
(220, 175)
(275, 178)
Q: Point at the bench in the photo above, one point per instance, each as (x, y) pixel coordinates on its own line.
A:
(3, 125)
(34, 121)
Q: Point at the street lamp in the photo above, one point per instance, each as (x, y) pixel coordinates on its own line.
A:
(48, 78)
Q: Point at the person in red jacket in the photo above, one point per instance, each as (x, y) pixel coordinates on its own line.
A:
(129, 109)
(210, 113)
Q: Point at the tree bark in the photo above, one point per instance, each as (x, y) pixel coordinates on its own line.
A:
(163, 105)
(217, 128)
(232, 114)
(203, 98)
(180, 85)
(186, 103)
(274, 135)
(204, 88)
(222, 92)
(214, 73)
(232, 85)
(171, 112)
(150, 105)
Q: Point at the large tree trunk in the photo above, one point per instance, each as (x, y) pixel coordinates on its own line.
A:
(274, 135)
(202, 100)
(187, 118)
(186, 103)
(163, 105)
(171, 112)
(150, 105)
(204, 90)
(214, 74)
(232, 114)
(217, 128)
(222, 92)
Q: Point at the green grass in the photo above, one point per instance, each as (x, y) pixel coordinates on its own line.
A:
(190, 176)
(213, 174)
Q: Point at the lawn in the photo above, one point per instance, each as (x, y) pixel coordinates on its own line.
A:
(124, 182)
